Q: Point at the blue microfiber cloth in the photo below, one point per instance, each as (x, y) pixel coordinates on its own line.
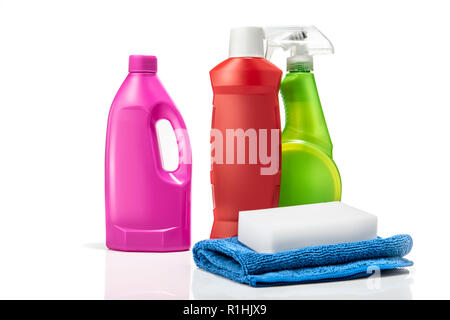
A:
(233, 260)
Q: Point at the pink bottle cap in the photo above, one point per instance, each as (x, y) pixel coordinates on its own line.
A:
(140, 63)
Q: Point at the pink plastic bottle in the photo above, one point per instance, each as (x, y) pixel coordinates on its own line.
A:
(147, 207)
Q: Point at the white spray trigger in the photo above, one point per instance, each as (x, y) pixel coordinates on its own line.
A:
(303, 42)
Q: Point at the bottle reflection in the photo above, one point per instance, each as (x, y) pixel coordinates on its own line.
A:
(139, 275)
(387, 285)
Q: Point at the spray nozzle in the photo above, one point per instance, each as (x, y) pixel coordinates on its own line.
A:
(298, 35)
(303, 42)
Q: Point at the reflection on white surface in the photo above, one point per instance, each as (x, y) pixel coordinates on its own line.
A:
(390, 285)
(131, 275)
(139, 275)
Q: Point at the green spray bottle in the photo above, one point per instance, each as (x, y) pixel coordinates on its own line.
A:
(308, 172)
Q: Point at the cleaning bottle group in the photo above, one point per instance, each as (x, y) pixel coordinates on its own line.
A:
(254, 165)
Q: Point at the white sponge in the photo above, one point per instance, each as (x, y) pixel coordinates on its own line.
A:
(286, 228)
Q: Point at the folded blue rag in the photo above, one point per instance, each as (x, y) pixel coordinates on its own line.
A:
(233, 260)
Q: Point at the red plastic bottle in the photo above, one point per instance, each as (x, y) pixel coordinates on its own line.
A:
(245, 90)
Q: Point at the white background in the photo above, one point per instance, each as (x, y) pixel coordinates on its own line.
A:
(385, 94)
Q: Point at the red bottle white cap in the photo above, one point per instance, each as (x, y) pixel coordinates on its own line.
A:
(247, 42)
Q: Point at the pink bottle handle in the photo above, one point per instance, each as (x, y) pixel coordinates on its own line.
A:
(182, 174)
